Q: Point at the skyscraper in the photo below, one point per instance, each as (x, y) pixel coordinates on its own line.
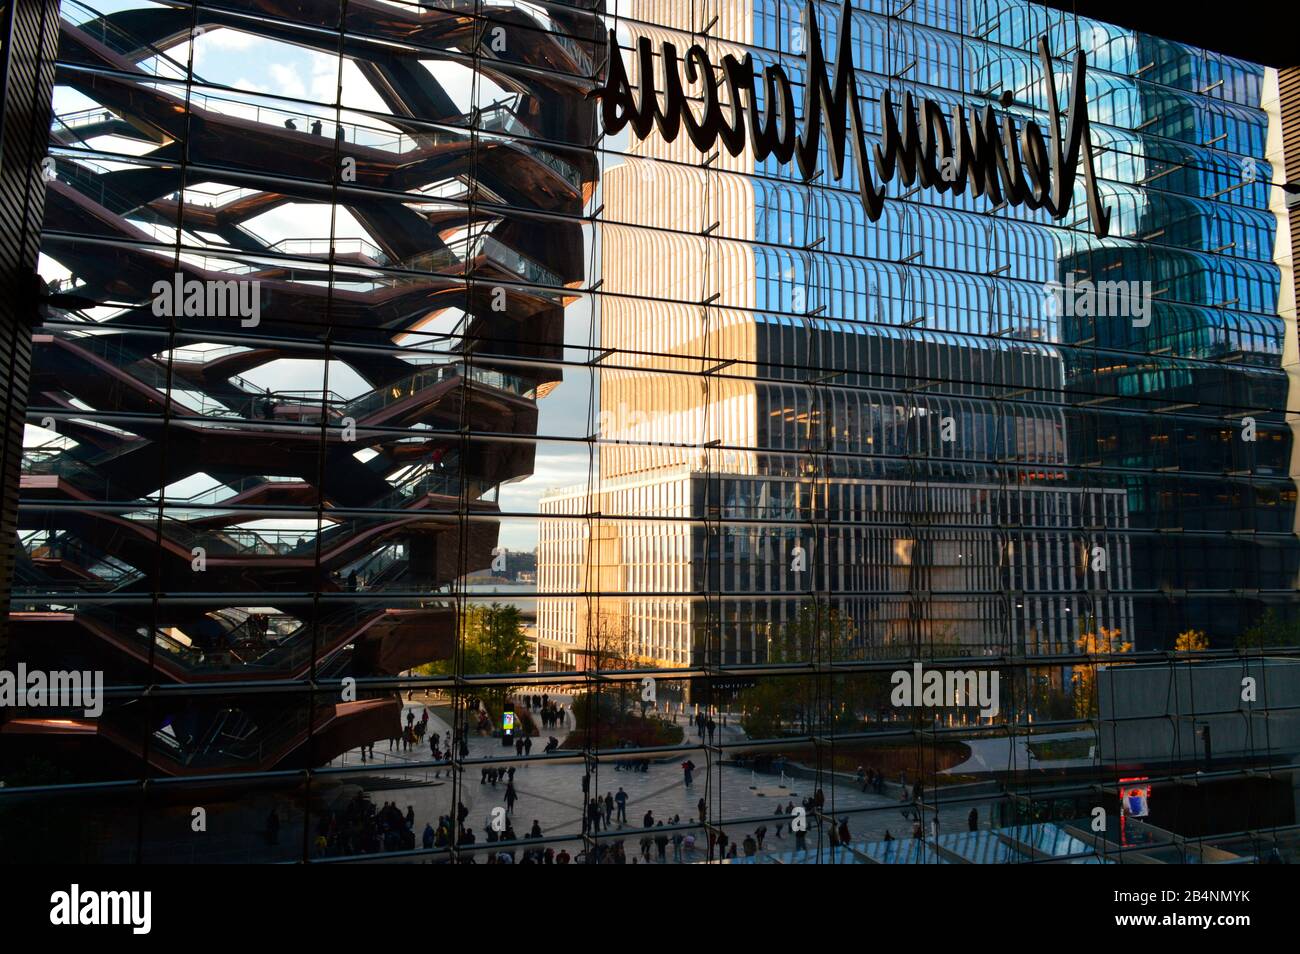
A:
(881, 424)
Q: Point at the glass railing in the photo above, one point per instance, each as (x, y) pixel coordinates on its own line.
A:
(232, 737)
(93, 23)
(323, 124)
(307, 406)
(303, 406)
(501, 117)
(572, 47)
(545, 27)
(497, 117)
(569, 173)
(78, 175)
(168, 647)
(202, 355)
(375, 567)
(63, 464)
(460, 251)
(226, 490)
(262, 644)
(104, 572)
(527, 269)
(501, 380)
(324, 247)
(402, 390)
(75, 119)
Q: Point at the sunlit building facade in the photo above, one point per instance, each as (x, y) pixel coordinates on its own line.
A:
(854, 438)
(373, 384)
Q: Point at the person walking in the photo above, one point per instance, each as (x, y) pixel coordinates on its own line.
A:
(621, 801)
(688, 769)
(511, 797)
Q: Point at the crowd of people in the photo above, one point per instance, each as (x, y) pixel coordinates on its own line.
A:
(548, 713)
(409, 736)
(630, 765)
(871, 781)
(361, 828)
(704, 725)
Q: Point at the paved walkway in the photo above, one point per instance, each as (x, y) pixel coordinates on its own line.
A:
(552, 795)
(1013, 754)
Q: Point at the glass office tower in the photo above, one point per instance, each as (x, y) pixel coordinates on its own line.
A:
(391, 425)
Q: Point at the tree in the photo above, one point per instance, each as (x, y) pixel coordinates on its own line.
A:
(816, 634)
(609, 644)
(495, 641)
(1043, 697)
(609, 649)
(1270, 630)
(492, 642)
(1191, 641)
(615, 713)
(1084, 679)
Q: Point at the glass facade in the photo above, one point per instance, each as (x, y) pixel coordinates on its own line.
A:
(430, 475)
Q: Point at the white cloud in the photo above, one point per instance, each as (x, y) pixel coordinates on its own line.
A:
(287, 80)
(357, 91)
(226, 39)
